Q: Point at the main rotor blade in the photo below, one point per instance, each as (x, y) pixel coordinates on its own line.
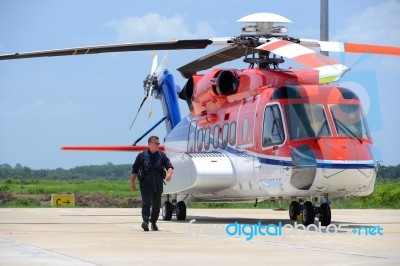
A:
(128, 47)
(220, 56)
(347, 47)
(108, 148)
(329, 69)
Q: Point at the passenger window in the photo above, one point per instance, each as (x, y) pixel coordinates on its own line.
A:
(232, 134)
(216, 137)
(207, 139)
(192, 137)
(225, 135)
(200, 139)
(273, 133)
(245, 130)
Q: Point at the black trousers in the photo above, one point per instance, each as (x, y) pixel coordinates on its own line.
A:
(150, 199)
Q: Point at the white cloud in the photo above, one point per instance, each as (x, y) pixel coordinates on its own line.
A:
(379, 24)
(153, 26)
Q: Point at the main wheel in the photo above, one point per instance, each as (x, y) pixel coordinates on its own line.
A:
(181, 211)
(294, 210)
(167, 211)
(325, 214)
(308, 215)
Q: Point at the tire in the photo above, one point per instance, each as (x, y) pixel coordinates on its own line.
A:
(294, 210)
(308, 215)
(325, 214)
(167, 211)
(181, 211)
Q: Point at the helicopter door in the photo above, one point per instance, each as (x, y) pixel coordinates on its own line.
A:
(273, 136)
(245, 141)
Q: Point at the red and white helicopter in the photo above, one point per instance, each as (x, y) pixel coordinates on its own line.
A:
(261, 132)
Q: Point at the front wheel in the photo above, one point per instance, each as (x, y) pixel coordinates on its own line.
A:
(181, 211)
(325, 214)
(308, 214)
(167, 211)
(294, 210)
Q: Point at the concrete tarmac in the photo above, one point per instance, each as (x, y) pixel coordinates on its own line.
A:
(80, 236)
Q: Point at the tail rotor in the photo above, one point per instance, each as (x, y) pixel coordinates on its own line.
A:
(150, 83)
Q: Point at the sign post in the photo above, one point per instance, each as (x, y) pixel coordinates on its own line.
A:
(62, 200)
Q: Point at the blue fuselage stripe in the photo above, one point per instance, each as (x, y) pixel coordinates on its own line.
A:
(346, 165)
(180, 134)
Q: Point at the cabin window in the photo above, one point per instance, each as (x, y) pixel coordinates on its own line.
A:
(216, 137)
(349, 121)
(225, 135)
(232, 134)
(306, 121)
(207, 139)
(192, 137)
(245, 130)
(273, 133)
(200, 139)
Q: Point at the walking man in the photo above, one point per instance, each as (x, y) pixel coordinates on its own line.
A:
(149, 167)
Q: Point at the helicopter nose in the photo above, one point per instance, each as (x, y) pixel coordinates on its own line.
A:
(304, 167)
(346, 167)
(335, 166)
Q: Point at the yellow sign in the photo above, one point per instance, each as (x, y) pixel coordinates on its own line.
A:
(62, 200)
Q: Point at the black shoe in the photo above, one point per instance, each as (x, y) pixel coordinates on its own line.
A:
(154, 227)
(145, 226)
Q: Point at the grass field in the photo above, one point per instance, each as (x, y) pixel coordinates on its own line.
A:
(106, 193)
(106, 187)
(88, 193)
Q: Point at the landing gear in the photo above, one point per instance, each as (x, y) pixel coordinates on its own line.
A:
(167, 211)
(308, 211)
(294, 210)
(177, 209)
(180, 211)
(324, 214)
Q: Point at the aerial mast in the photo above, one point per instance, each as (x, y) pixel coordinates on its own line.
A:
(324, 23)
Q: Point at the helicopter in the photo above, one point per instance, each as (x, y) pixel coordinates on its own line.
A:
(257, 133)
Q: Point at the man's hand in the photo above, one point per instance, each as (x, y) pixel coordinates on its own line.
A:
(133, 178)
(169, 174)
(132, 186)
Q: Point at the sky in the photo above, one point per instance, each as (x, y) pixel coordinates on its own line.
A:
(46, 103)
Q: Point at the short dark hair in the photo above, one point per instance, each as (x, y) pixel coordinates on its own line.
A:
(152, 137)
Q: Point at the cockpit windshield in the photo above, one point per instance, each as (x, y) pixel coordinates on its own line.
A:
(306, 121)
(349, 121)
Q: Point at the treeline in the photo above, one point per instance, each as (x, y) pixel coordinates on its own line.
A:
(108, 171)
(389, 172)
(114, 172)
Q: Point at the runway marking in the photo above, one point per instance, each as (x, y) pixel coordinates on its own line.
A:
(288, 245)
(32, 253)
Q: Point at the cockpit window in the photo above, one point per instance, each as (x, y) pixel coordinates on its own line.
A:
(349, 121)
(306, 121)
(273, 133)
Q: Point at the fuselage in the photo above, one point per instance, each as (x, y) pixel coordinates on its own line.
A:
(279, 134)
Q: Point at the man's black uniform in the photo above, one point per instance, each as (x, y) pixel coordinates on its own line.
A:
(150, 170)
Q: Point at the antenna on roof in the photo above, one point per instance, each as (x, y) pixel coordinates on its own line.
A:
(264, 23)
